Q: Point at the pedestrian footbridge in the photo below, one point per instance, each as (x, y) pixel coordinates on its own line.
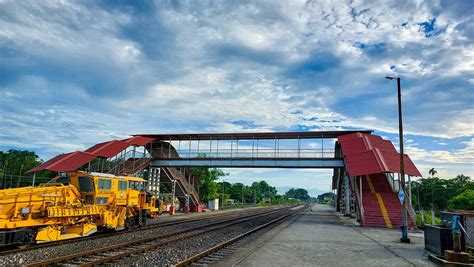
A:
(365, 166)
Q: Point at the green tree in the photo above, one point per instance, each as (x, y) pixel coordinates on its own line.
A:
(17, 162)
(208, 177)
(298, 193)
(237, 191)
(262, 190)
(462, 179)
(435, 193)
(463, 201)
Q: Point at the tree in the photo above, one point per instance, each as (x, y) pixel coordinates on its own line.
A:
(435, 193)
(14, 163)
(208, 176)
(263, 190)
(17, 162)
(464, 201)
(329, 195)
(298, 193)
(462, 179)
(432, 172)
(237, 191)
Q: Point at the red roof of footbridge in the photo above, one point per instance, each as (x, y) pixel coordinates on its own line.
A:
(74, 160)
(65, 162)
(108, 149)
(139, 140)
(111, 148)
(368, 154)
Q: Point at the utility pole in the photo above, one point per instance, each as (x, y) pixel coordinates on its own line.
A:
(404, 238)
(255, 197)
(223, 191)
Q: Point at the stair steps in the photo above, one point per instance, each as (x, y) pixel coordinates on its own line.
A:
(373, 212)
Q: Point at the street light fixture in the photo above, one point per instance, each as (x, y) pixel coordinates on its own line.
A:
(404, 238)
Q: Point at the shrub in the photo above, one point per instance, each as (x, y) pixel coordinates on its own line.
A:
(463, 201)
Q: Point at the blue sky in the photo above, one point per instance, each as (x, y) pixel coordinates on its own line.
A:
(76, 73)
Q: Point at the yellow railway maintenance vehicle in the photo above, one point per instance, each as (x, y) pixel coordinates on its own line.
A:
(74, 205)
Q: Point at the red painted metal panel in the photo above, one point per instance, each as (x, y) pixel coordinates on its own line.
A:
(410, 167)
(355, 146)
(139, 140)
(108, 149)
(65, 162)
(363, 163)
(369, 154)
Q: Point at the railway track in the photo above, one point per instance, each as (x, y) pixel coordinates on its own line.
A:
(105, 235)
(116, 252)
(227, 247)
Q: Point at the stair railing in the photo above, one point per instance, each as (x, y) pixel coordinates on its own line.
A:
(120, 164)
(396, 186)
(183, 183)
(359, 199)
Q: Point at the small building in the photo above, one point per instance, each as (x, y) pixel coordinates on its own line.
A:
(213, 204)
(266, 200)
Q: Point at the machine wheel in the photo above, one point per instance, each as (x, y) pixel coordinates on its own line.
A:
(129, 223)
(29, 238)
(141, 220)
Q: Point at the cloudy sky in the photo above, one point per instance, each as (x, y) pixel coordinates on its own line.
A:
(76, 73)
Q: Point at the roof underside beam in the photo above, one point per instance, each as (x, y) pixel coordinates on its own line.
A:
(250, 136)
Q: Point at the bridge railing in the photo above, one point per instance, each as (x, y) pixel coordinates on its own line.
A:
(253, 153)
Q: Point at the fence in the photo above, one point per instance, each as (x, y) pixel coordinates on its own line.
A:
(15, 181)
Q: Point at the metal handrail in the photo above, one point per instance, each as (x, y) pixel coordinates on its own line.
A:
(251, 153)
(359, 201)
(391, 180)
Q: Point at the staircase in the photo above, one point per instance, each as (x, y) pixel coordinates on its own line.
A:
(382, 208)
(130, 166)
(184, 188)
(159, 150)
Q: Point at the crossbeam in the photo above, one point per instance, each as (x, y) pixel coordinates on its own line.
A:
(250, 136)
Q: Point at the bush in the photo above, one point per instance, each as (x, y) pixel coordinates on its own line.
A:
(427, 219)
(463, 201)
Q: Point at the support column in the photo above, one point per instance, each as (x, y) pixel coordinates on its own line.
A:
(173, 191)
(186, 206)
(134, 153)
(347, 196)
(157, 182)
(154, 181)
(149, 185)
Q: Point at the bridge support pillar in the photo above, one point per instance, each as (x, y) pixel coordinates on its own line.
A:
(153, 185)
(347, 196)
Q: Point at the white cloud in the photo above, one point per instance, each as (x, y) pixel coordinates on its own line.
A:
(451, 163)
(93, 72)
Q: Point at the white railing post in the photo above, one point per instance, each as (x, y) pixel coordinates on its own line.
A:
(361, 203)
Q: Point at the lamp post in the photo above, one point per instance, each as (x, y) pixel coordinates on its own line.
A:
(404, 238)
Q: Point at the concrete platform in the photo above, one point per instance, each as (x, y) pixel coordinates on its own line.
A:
(322, 237)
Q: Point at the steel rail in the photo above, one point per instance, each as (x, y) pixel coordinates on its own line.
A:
(224, 244)
(105, 235)
(143, 243)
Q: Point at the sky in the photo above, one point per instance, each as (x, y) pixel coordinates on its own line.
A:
(75, 73)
